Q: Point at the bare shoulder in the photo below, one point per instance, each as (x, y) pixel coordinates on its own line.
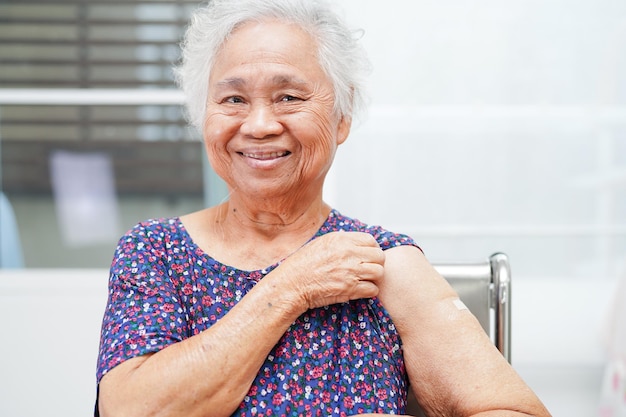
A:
(202, 227)
(411, 284)
(200, 219)
(408, 265)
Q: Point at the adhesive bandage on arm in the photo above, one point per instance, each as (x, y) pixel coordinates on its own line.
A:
(459, 304)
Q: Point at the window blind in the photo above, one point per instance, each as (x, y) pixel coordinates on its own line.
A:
(96, 44)
(91, 43)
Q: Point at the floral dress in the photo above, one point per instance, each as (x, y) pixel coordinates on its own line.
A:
(338, 360)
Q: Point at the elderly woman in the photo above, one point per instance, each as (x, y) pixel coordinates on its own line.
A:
(273, 303)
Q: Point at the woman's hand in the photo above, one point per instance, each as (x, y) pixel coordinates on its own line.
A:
(335, 268)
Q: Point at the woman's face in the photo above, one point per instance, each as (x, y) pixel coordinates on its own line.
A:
(270, 129)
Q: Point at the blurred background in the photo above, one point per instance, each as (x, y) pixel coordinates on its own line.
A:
(492, 126)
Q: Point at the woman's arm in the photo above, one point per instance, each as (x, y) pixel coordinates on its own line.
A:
(210, 373)
(207, 374)
(453, 367)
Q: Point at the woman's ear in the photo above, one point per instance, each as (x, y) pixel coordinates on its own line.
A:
(343, 130)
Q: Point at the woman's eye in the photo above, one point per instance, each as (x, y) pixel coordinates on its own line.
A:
(233, 100)
(289, 98)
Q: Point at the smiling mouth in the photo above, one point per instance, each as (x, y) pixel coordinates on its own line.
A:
(265, 156)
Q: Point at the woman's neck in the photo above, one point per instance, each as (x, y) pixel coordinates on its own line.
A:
(254, 236)
(253, 233)
(269, 219)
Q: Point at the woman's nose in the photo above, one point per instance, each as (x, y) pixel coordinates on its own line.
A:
(261, 122)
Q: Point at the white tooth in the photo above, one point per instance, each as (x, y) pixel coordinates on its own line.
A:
(264, 156)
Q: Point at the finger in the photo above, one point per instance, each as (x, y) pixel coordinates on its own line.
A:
(372, 272)
(363, 239)
(372, 255)
(378, 256)
(364, 289)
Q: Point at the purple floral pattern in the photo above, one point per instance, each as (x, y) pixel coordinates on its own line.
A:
(337, 360)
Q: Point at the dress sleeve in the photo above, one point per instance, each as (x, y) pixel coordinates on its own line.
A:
(143, 312)
(388, 240)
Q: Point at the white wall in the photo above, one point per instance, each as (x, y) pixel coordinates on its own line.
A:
(50, 321)
(428, 52)
(494, 126)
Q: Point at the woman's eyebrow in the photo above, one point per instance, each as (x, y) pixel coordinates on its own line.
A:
(234, 82)
(284, 80)
(279, 81)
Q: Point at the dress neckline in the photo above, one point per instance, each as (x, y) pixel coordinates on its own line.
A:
(228, 269)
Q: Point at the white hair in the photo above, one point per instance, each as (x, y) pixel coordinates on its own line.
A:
(339, 52)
